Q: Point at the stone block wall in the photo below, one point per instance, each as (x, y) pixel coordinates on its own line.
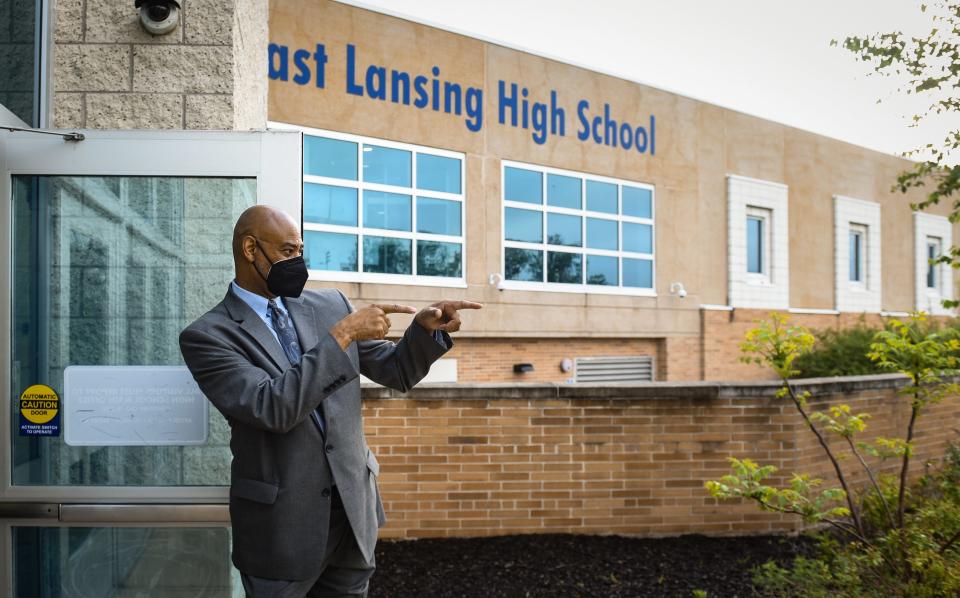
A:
(479, 460)
(109, 73)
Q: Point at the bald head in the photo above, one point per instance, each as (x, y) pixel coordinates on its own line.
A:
(263, 235)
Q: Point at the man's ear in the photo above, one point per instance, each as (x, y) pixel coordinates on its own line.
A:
(249, 249)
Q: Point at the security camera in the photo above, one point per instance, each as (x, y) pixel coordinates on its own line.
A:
(158, 17)
(677, 289)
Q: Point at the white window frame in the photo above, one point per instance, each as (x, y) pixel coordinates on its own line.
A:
(937, 244)
(857, 215)
(927, 226)
(360, 231)
(749, 196)
(766, 218)
(583, 250)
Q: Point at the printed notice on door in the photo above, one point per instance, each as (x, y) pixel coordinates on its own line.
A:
(132, 406)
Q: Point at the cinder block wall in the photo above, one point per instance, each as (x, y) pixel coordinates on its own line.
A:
(490, 460)
(108, 73)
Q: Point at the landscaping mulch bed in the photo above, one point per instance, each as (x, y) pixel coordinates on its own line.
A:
(576, 565)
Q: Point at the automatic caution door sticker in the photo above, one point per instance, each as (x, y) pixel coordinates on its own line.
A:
(39, 411)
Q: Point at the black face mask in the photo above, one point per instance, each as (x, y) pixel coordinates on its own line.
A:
(285, 278)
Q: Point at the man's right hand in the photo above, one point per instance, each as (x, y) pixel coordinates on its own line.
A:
(370, 322)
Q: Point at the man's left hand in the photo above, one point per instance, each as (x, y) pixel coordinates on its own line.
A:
(444, 315)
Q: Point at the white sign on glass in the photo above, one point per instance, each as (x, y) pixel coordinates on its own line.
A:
(132, 406)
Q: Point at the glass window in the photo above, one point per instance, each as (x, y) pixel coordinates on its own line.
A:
(438, 216)
(564, 267)
(638, 273)
(637, 202)
(755, 245)
(524, 225)
(386, 165)
(602, 270)
(115, 268)
(601, 197)
(329, 157)
(563, 191)
(563, 229)
(438, 173)
(19, 70)
(327, 204)
(439, 259)
(933, 252)
(856, 256)
(387, 224)
(387, 255)
(637, 237)
(330, 251)
(608, 261)
(122, 561)
(390, 211)
(602, 234)
(523, 264)
(522, 185)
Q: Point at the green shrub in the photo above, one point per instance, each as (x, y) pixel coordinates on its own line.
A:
(840, 352)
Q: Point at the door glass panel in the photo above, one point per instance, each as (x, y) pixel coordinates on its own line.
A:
(164, 562)
(107, 271)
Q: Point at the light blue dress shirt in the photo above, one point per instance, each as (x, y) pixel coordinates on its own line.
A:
(260, 305)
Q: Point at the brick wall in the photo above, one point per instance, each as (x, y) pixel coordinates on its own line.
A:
(476, 460)
(491, 360)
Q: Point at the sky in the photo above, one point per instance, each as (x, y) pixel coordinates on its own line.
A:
(768, 58)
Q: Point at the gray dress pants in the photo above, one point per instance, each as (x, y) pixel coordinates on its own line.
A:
(344, 571)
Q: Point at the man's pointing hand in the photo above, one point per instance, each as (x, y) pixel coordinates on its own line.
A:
(444, 315)
(370, 322)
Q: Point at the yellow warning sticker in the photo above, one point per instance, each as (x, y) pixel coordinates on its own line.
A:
(39, 408)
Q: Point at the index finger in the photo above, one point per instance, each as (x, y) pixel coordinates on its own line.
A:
(394, 308)
(464, 305)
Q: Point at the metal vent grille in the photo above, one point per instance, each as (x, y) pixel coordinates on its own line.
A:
(614, 369)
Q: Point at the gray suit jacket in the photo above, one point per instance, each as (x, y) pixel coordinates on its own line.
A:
(279, 492)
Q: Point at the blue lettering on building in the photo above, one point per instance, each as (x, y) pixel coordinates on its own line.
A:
(542, 117)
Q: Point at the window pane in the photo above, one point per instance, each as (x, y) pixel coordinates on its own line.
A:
(524, 225)
(564, 267)
(438, 173)
(563, 229)
(438, 259)
(637, 237)
(933, 252)
(602, 234)
(563, 191)
(522, 185)
(122, 265)
(602, 269)
(386, 255)
(854, 256)
(327, 204)
(438, 216)
(330, 251)
(755, 245)
(602, 197)
(330, 157)
(523, 264)
(160, 562)
(638, 273)
(637, 202)
(386, 210)
(386, 165)
(18, 72)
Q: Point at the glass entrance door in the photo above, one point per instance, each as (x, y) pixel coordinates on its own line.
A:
(115, 244)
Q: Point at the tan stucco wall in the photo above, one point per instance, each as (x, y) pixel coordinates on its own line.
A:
(697, 145)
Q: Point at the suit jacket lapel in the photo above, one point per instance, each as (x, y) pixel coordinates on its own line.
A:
(253, 325)
(305, 322)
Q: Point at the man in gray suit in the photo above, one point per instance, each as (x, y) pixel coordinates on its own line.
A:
(281, 364)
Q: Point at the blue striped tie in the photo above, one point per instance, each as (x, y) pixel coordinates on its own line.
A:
(287, 335)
